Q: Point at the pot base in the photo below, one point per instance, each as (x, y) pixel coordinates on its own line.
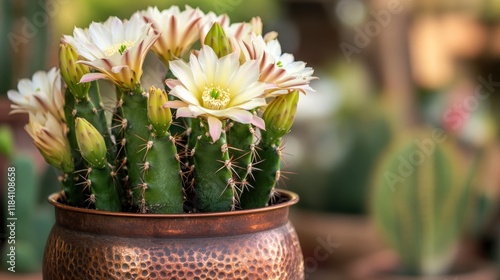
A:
(271, 251)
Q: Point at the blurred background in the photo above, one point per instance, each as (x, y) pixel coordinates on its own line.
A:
(392, 73)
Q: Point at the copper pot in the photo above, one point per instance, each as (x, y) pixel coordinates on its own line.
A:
(247, 244)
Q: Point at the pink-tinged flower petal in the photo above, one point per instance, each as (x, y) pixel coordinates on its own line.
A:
(277, 69)
(259, 122)
(179, 30)
(215, 128)
(241, 116)
(184, 112)
(174, 104)
(117, 69)
(171, 83)
(92, 77)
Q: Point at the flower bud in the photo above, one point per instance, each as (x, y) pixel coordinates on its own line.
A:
(159, 116)
(91, 143)
(218, 41)
(72, 72)
(279, 116)
(49, 136)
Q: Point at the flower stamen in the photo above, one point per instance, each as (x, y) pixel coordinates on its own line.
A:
(120, 48)
(215, 98)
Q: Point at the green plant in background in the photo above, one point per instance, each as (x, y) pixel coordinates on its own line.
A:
(34, 217)
(341, 145)
(210, 141)
(421, 201)
(25, 27)
(6, 19)
(95, 10)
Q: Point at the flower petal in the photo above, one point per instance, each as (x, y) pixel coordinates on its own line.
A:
(176, 104)
(215, 128)
(92, 77)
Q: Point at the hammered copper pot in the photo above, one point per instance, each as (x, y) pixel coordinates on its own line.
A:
(248, 244)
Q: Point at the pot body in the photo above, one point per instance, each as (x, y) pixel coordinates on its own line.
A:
(247, 244)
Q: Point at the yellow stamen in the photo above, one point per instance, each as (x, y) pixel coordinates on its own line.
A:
(120, 47)
(215, 98)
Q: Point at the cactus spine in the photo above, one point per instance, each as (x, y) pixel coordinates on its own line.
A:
(419, 203)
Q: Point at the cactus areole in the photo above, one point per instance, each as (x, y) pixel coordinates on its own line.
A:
(210, 140)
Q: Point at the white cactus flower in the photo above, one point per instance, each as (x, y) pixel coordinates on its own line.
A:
(40, 94)
(279, 70)
(217, 89)
(115, 48)
(178, 30)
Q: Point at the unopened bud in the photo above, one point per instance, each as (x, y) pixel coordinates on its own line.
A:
(159, 116)
(218, 41)
(91, 143)
(279, 116)
(72, 72)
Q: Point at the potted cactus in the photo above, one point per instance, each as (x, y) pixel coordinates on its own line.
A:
(180, 183)
(421, 203)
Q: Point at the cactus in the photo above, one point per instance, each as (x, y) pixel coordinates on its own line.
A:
(420, 202)
(214, 191)
(99, 177)
(279, 117)
(161, 170)
(211, 158)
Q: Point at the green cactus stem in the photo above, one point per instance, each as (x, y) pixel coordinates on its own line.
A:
(240, 138)
(278, 116)
(263, 179)
(118, 126)
(161, 190)
(74, 194)
(214, 183)
(420, 202)
(99, 178)
(133, 105)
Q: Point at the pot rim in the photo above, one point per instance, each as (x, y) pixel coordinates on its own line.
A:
(293, 199)
(173, 225)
